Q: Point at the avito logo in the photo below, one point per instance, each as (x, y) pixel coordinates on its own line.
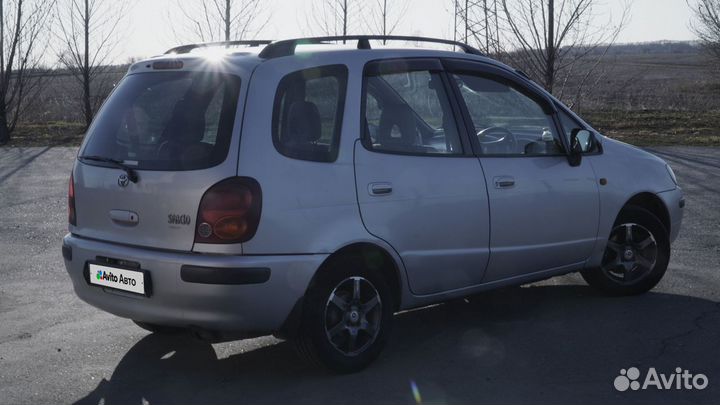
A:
(109, 276)
(104, 275)
(681, 379)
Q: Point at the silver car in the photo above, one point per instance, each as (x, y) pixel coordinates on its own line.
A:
(310, 190)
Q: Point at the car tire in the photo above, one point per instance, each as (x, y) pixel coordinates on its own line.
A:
(159, 329)
(636, 256)
(347, 316)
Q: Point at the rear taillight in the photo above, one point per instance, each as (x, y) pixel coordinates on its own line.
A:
(72, 218)
(229, 211)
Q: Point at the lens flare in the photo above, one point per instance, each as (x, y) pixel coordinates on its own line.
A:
(415, 392)
(214, 55)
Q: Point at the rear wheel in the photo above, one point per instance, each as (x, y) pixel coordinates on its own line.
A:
(636, 256)
(159, 329)
(347, 317)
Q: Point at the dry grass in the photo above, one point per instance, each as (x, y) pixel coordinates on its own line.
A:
(641, 128)
(659, 127)
(59, 133)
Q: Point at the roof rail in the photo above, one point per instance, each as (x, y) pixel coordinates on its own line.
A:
(190, 47)
(286, 47)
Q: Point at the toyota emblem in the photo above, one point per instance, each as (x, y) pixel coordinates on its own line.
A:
(123, 180)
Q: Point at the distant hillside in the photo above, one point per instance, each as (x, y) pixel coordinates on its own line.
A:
(656, 47)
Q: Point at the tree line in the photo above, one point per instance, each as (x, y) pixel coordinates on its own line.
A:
(554, 42)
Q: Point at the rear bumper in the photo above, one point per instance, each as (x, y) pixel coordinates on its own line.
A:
(255, 296)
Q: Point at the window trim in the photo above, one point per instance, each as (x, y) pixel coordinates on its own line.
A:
(380, 67)
(341, 73)
(480, 69)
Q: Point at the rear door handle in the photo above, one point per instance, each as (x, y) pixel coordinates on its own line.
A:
(379, 188)
(504, 182)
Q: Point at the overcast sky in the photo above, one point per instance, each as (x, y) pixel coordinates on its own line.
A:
(147, 29)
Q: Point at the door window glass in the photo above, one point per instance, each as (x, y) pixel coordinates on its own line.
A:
(409, 112)
(506, 121)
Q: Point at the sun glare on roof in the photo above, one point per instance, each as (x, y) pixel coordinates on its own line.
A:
(214, 55)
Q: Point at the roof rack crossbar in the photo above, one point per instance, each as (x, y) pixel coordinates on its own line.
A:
(187, 48)
(287, 47)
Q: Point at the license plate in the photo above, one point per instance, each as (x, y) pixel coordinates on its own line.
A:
(117, 278)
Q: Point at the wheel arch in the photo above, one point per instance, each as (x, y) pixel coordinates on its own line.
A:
(374, 255)
(651, 202)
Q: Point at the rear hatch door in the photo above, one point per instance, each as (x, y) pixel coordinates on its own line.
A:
(178, 132)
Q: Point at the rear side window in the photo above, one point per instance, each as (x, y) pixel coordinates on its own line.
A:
(167, 121)
(409, 113)
(307, 116)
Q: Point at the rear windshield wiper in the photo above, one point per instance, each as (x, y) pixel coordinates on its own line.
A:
(132, 176)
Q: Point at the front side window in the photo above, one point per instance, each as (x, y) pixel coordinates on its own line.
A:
(307, 117)
(167, 121)
(506, 120)
(409, 113)
(568, 123)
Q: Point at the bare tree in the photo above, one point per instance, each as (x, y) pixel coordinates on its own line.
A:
(221, 20)
(333, 17)
(385, 17)
(88, 36)
(21, 44)
(707, 26)
(552, 39)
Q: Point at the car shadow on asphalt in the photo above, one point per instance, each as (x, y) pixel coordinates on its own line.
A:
(533, 344)
(21, 160)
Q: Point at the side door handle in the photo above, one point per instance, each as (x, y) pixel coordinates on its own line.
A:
(379, 188)
(504, 182)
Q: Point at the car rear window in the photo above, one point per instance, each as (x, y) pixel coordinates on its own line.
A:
(167, 121)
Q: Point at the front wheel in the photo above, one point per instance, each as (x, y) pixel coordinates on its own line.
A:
(636, 256)
(347, 317)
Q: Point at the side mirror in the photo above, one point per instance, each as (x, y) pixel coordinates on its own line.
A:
(581, 141)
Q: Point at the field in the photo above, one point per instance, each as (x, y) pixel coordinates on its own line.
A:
(666, 95)
(659, 127)
(644, 94)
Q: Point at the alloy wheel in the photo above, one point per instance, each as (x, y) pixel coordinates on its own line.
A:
(631, 253)
(353, 313)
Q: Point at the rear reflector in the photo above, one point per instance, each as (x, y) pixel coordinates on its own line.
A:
(67, 252)
(224, 275)
(72, 218)
(229, 211)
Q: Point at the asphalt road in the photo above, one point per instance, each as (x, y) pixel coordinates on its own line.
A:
(551, 342)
